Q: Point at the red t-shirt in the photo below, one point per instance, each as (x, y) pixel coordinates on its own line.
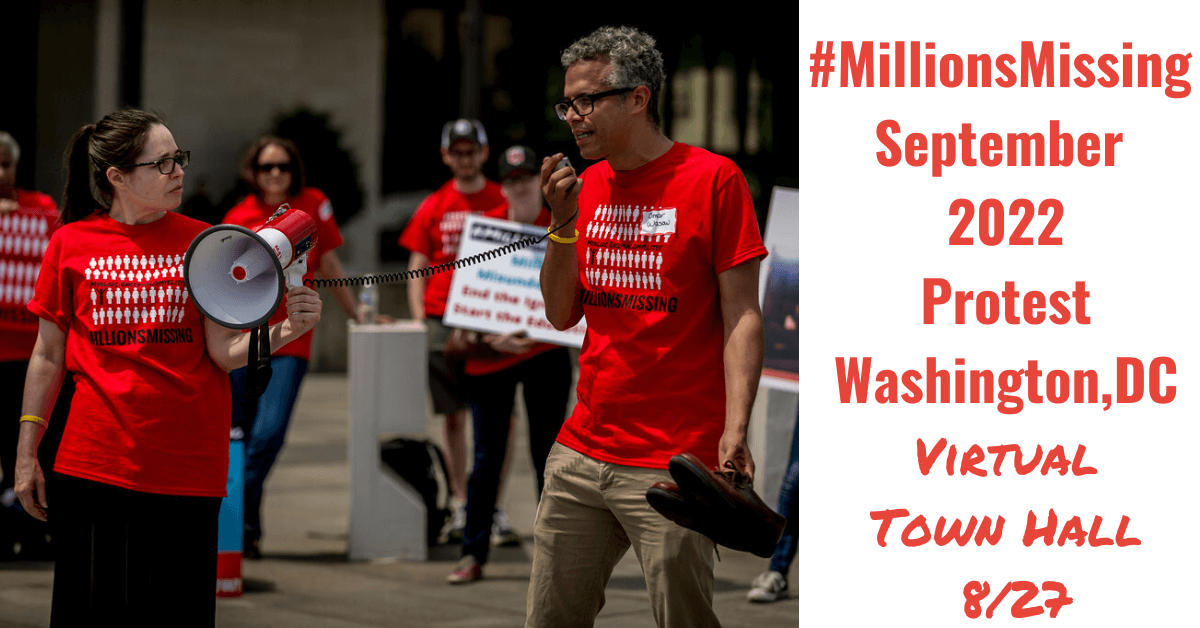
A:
(252, 213)
(495, 364)
(652, 242)
(435, 229)
(24, 234)
(151, 409)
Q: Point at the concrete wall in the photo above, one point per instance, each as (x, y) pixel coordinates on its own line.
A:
(220, 71)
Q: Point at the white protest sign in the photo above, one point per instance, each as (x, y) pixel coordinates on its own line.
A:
(503, 294)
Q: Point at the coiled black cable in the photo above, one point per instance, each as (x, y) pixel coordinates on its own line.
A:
(429, 271)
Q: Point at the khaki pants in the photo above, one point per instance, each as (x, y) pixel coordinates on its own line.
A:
(592, 512)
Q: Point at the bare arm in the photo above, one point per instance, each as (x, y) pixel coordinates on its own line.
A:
(416, 286)
(46, 368)
(229, 348)
(743, 359)
(331, 268)
(560, 266)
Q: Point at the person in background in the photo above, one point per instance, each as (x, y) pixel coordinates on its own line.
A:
(497, 364)
(772, 585)
(432, 238)
(27, 220)
(141, 470)
(659, 247)
(275, 174)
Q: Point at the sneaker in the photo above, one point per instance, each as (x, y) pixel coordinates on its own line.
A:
(503, 534)
(769, 586)
(468, 570)
(458, 522)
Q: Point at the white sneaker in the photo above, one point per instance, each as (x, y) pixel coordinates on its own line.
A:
(502, 531)
(458, 522)
(769, 586)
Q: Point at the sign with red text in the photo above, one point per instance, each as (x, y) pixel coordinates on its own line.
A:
(998, 360)
(503, 294)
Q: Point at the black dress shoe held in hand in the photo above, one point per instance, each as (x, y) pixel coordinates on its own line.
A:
(722, 505)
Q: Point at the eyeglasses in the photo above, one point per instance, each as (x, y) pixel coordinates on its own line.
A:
(284, 167)
(583, 104)
(166, 165)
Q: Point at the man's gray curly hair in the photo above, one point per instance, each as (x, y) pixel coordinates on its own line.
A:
(634, 58)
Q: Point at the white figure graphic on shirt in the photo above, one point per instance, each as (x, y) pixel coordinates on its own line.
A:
(153, 315)
(161, 295)
(137, 315)
(185, 295)
(95, 314)
(143, 295)
(93, 295)
(162, 313)
(109, 315)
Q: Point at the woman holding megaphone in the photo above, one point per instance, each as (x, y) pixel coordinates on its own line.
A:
(139, 476)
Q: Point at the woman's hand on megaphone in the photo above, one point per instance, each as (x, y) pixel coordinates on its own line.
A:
(304, 310)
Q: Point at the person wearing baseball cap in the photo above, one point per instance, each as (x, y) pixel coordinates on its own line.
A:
(432, 238)
(497, 363)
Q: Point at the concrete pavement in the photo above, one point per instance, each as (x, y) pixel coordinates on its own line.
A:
(305, 579)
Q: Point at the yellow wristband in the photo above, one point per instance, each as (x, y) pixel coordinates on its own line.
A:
(563, 240)
(33, 419)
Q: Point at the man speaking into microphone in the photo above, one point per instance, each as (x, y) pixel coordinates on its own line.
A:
(658, 245)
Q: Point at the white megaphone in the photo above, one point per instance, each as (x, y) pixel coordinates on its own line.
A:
(236, 275)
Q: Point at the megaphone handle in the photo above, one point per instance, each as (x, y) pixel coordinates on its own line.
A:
(258, 364)
(293, 275)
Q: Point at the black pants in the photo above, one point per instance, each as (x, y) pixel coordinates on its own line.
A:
(126, 558)
(546, 379)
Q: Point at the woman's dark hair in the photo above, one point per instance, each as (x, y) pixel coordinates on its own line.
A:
(250, 163)
(113, 142)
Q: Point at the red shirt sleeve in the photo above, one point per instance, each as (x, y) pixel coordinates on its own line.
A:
(736, 239)
(52, 299)
(328, 235)
(418, 235)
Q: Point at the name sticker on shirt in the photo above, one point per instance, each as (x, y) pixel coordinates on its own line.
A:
(658, 222)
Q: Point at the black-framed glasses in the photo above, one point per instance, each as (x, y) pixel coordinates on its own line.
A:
(584, 104)
(166, 165)
(283, 166)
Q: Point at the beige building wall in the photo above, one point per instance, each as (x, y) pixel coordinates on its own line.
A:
(221, 71)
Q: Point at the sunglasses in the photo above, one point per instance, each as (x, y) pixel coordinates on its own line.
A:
(284, 167)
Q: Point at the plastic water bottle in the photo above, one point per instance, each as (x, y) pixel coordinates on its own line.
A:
(368, 303)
